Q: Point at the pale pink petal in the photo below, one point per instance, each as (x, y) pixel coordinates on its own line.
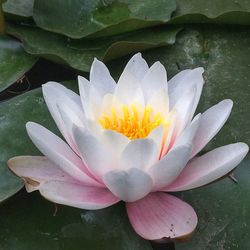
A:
(169, 167)
(161, 216)
(54, 94)
(129, 185)
(140, 153)
(136, 66)
(59, 152)
(35, 170)
(212, 121)
(209, 167)
(155, 80)
(184, 81)
(101, 78)
(98, 158)
(77, 195)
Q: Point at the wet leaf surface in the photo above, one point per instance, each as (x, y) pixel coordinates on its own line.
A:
(18, 9)
(100, 17)
(14, 61)
(213, 11)
(79, 54)
(37, 225)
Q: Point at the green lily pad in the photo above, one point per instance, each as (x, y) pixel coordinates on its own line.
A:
(213, 11)
(34, 224)
(100, 17)
(79, 54)
(225, 55)
(14, 61)
(223, 210)
(18, 9)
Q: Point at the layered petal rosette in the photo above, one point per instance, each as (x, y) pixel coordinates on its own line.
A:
(134, 141)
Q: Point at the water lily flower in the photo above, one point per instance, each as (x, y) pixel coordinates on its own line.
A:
(135, 141)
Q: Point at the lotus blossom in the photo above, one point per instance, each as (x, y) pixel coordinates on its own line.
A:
(135, 141)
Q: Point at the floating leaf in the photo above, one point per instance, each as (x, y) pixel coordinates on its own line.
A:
(223, 209)
(100, 17)
(18, 9)
(213, 11)
(32, 224)
(79, 54)
(14, 61)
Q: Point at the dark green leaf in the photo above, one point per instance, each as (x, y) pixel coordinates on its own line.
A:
(14, 61)
(29, 223)
(82, 18)
(225, 55)
(18, 9)
(79, 54)
(223, 209)
(213, 11)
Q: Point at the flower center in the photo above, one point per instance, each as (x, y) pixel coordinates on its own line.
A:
(133, 122)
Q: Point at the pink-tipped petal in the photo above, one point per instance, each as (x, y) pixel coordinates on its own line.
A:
(59, 152)
(209, 167)
(212, 121)
(155, 80)
(35, 170)
(160, 216)
(129, 185)
(101, 78)
(77, 195)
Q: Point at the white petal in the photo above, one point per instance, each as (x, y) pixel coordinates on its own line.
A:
(154, 80)
(212, 121)
(209, 167)
(184, 81)
(157, 136)
(183, 109)
(98, 158)
(136, 66)
(101, 78)
(159, 102)
(84, 89)
(59, 152)
(140, 153)
(55, 94)
(115, 141)
(129, 185)
(90, 98)
(189, 133)
(169, 167)
(128, 89)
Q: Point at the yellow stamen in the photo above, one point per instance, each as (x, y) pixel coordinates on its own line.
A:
(132, 122)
